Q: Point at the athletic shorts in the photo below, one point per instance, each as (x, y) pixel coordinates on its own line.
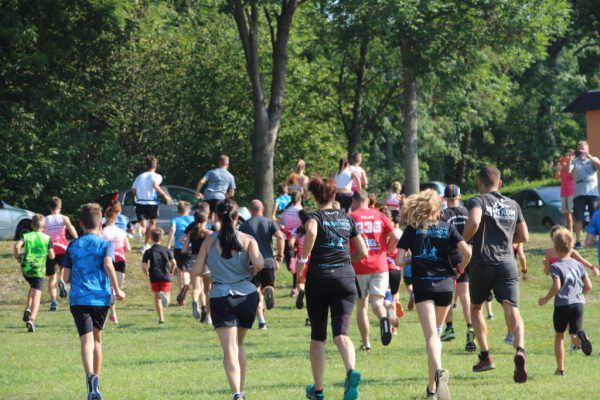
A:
(566, 204)
(571, 315)
(375, 284)
(580, 203)
(146, 211)
(119, 266)
(345, 200)
(212, 204)
(440, 299)
(35, 283)
(233, 311)
(455, 260)
(395, 280)
(288, 254)
(183, 260)
(88, 318)
(324, 294)
(265, 277)
(501, 279)
(163, 286)
(52, 265)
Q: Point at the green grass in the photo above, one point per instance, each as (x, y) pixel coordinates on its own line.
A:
(183, 360)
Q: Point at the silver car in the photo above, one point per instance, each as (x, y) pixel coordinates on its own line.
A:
(14, 222)
(540, 206)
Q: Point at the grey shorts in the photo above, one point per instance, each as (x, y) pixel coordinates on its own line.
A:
(502, 279)
(566, 204)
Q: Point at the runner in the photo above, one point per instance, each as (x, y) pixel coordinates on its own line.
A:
(330, 284)
(220, 184)
(355, 161)
(176, 233)
(458, 215)
(296, 243)
(282, 201)
(231, 258)
(145, 189)
(394, 199)
(55, 226)
(430, 241)
(393, 305)
(344, 179)
(298, 181)
(372, 277)
(495, 223)
(289, 220)
(158, 264)
(567, 186)
(262, 230)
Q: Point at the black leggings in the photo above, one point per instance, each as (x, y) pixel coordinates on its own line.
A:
(395, 279)
(337, 294)
(287, 257)
(345, 200)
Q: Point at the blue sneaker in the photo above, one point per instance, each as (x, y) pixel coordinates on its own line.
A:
(53, 305)
(311, 395)
(92, 383)
(351, 385)
(62, 288)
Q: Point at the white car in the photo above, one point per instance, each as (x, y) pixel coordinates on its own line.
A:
(14, 222)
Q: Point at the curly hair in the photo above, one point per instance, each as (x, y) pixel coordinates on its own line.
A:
(422, 210)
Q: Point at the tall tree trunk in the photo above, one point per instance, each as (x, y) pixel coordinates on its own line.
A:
(464, 162)
(411, 149)
(354, 133)
(389, 150)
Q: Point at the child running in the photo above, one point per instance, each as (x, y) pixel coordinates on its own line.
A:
(430, 240)
(184, 266)
(550, 257)
(161, 268)
(37, 247)
(88, 265)
(569, 284)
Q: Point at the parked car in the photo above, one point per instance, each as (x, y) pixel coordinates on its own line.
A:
(435, 185)
(165, 212)
(14, 222)
(540, 206)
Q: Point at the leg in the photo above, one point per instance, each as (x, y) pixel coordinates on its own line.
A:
(515, 323)
(488, 307)
(206, 288)
(228, 336)
(347, 351)
(52, 286)
(158, 306)
(87, 352)
(185, 277)
(559, 350)
(317, 362)
(465, 300)
(428, 318)
(377, 305)
(480, 326)
(362, 318)
(241, 334)
(197, 291)
(33, 301)
(569, 221)
(97, 336)
(143, 231)
(149, 229)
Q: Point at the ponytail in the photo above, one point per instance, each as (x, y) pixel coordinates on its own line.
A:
(343, 165)
(200, 219)
(226, 211)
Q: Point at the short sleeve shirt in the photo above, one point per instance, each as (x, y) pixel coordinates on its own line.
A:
(458, 217)
(159, 257)
(90, 285)
(571, 275)
(375, 227)
(218, 182)
(262, 229)
(585, 175)
(144, 188)
(181, 223)
(118, 237)
(431, 270)
(492, 243)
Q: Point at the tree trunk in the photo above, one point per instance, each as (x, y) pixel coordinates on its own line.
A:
(411, 150)
(263, 149)
(354, 133)
(389, 150)
(464, 162)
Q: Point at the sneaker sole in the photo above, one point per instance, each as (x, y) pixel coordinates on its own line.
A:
(269, 298)
(351, 392)
(195, 311)
(300, 300)
(62, 290)
(30, 327)
(163, 299)
(447, 338)
(520, 370)
(586, 345)
(26, 315)
(385, 331)
(489, 367)
(441, 380)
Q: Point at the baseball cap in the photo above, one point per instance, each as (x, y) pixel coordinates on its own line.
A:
(451, 191)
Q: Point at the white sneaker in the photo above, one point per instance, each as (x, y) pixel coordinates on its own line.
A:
(164, 299)
(509, 339)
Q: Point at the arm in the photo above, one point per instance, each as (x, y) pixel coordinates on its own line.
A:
(171, 236)
(112, 276)
(145, 269)
(360, 249)
(587, 285)
(522, 260)
(17, 249)
(172, 266)
(472, 224)
(392, 240)
(595, 161)
(164, 194)
(67, 275)
(70, 227)
(199, 267)
(309, 243)
(400, 258)
(465, 255)
(521, 233)
(127, 245)
(357, 180)
(280, 248)
(575, 254)
(258, 263)
(186, 245)
(589, 239)
(51, 254)
(546, 263)
(201, 183)
(551, 293)
(364, 179)
(230, 193)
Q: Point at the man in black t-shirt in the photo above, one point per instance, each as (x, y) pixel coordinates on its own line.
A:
(495, 223)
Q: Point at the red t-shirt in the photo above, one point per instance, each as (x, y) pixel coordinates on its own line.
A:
(374, 227)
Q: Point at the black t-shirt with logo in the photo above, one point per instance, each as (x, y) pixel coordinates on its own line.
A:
(158, 256)
(430, 247)
(331, 250)
(458, 217)
(492, 243)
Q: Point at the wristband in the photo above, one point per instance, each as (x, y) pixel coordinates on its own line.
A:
(302, 260)
(523, 271)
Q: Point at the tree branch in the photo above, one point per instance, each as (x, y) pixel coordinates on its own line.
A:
(271, 28)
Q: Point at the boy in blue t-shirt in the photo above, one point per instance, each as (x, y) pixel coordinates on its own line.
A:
(88, 265)
(178, 227)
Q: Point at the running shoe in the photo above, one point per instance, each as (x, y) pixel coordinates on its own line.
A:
(53, 305)
(92, 384)
(182, 294)
(30, 326)
(509, 338)
(238, 396)
(62, 288)
(490, 317)
(441, 384)
(26, 314)
(586, 345)
(385, 331)
(160, 321)
(366, 349)
(195, 310)
(470, 346)
(351, 385)
(307, 322)
(300, 300)
(559, 372)
(208, 321)
(484, 364)
(112, 318)
(454, 306)
(163, 299)
(262, 326)
(269, 297)
(203, 314)
(573, 348)
(430, 395)
(578, 246)
(448, 335)
(399, 310)
(520, 375)
(311, 395)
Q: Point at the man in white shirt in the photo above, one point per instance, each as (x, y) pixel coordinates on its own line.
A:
(146, 188)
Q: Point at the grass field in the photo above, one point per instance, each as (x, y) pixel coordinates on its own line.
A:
(182, 359)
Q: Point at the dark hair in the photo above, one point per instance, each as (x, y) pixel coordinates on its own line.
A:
(199, 218)
(282, 188)
(354, 157)
(54, 203)
(303, 215)
(112, 213)
(151, 162)
(323, 189)
(489, 176)
(226, 211)
(296, 197)
(156, 235)
(360, 195)
(372, 200)
(343, 164)
(90, 215)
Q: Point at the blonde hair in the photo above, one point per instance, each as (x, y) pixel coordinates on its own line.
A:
(396, 187)
(563, 241)
(422, 210)
(299, 167)
(336, 204)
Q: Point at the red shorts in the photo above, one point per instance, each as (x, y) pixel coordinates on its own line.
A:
(160, 286)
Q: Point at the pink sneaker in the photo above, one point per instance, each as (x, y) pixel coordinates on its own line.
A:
(113, 319)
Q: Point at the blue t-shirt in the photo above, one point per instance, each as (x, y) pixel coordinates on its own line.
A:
(181, 222)
(282, 201)
(122, 222)
(594, 229)
(218, 182)
(90, 285)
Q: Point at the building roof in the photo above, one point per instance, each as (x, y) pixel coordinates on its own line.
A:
(589, 101)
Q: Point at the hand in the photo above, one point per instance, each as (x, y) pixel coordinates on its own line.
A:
(199, 195)
(276, 264)
(252, 270)
(119, 294)
(595, 270)
(169, 200)
(524, 275)
(542, 301)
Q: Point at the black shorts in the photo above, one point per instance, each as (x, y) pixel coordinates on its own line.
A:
(88, 318)
(234, 311)
(287, 254)
(440, 299)
(580, 203)
(52, 265)
(464, 277)
(119, 266)
(337, 294)
(146, 211)
(395, 276)
(183, 260)
(571, 315)
(265, 277)
(502, 279)
(212, 204)
(345, 200)
(35, 283)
